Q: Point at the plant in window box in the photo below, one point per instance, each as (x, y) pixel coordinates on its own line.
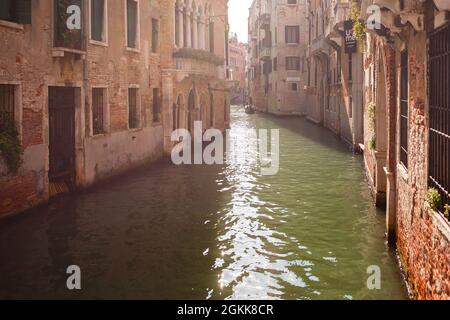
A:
(433, 198)
(10, 146)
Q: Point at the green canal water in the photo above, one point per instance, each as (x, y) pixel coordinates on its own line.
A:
(212, 232)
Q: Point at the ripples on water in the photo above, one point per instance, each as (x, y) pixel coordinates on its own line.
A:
(217, 232)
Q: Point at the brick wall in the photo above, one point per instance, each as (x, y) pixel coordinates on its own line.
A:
(423, 235)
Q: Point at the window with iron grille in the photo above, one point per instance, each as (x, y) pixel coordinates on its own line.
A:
(439, 100)
(156, 106)
(133, 116)
(404, 109)
(98, 111)
(7, 102)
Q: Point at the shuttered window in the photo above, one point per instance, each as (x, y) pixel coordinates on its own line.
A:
(292, 34)
(292, 63)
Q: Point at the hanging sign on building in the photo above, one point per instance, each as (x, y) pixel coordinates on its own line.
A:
(351, 43)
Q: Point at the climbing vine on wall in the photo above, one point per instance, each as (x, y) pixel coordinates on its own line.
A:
(10, 146)
(359, 28)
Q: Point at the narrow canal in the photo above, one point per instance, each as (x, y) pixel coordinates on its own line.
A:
(212, 232)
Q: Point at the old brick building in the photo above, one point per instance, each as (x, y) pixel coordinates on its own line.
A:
(238, 64)
(278, 40)
(201, 88)
(93, 86)
(407, 117)
(335, 75)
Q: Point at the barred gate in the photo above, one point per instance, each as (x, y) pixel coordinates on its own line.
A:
(439, 100)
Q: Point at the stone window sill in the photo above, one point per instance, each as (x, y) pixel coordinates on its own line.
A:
(60, 52)
(439, 221)
(135, 50)
(98, 43)
(11, 25)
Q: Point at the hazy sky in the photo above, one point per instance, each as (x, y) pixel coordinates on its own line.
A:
(238, 15)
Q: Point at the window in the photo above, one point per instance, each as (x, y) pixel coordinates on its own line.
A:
(7, 103)
(350, 107)
(316, 77)
(275, 64)
(292, 63)
(404, 109)
(17, 11)
(292, 1)
(439, 114)
(211, 36)
(292, 34)
(98, 20)
(132, 24)
(133, 115)
(292, 86)
(309, 73)
(63, 36)
(156, 106)
(211, 113)
(155, 35)
(225, 109)
(98, 111)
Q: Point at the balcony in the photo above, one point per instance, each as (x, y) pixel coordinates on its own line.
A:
(341, 14)
(264, 21)
(318, 46)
